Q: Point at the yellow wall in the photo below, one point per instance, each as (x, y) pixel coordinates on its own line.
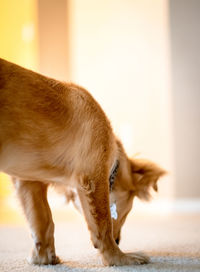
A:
(18, 32)
(18, 43)
(5, 186)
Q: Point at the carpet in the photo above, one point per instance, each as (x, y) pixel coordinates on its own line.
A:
(172, 242)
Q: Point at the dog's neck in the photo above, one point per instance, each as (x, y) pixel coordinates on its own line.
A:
(113, 174)
(113, 207)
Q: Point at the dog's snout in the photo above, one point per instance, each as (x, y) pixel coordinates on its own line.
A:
(117, 241)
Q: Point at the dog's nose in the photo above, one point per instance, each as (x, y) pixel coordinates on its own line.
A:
(117, 241)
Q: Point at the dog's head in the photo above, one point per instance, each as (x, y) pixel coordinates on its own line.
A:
(135, 178)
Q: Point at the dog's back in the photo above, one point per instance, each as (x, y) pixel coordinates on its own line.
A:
(51, 126)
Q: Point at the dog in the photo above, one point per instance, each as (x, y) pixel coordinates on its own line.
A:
(56, 133)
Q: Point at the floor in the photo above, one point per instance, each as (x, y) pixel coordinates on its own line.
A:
(171, 240)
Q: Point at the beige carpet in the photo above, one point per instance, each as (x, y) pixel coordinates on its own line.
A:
(173, 242)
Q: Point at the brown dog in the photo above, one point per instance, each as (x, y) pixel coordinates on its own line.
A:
(54, 132)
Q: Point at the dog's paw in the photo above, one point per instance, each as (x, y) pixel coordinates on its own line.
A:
(127, 259)
(138, 258)
(44, 258)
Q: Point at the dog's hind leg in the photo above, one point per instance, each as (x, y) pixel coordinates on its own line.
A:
(94, 197)
(33, 197)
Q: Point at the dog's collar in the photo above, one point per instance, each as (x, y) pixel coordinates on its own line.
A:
(113, 174)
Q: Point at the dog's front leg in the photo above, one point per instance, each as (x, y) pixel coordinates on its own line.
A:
(94, 197)
(33, 197)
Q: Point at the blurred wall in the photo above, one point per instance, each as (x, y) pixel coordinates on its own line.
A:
(53, 38)
(19, 44)
(119, 51)
(185, 46)
(18, 32)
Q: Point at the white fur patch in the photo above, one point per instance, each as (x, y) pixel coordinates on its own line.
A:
(113, 211)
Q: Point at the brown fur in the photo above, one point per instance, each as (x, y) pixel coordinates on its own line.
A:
(56, 133)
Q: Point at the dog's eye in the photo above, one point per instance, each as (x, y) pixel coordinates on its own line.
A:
(117, 241)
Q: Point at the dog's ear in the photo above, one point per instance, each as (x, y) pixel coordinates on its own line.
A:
(145, 175)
